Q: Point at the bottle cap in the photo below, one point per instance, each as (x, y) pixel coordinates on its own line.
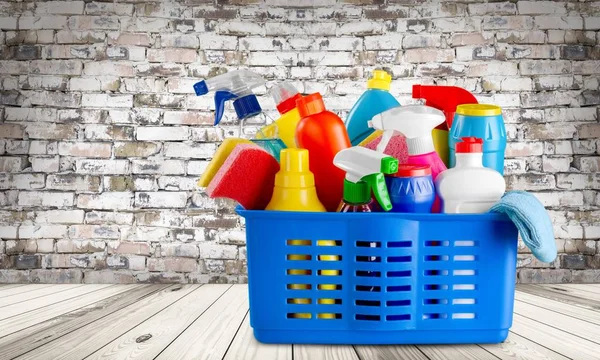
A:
(310, 105)
(379, 80)
(470, 144)
(478, 110)
(201, 88)
(246, 106)
(357, 193)
(294, 171)
(410, 170)
(285, 95)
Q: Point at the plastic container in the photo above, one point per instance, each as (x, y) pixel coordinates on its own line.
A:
(469, 187)
(440, 278)
(411, 189)
(482, 121)
(374, 100)
(323, 134)
(285, 96)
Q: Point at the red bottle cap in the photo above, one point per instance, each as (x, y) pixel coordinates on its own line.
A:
(310, 105)
(288, 104)
(410, 170)
(470, 144)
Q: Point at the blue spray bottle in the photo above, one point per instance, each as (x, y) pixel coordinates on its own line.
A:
(237, 86)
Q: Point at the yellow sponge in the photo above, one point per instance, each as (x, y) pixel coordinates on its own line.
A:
(220, 156)
(373, 136)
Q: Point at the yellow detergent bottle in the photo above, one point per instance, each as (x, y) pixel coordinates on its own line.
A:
(285, 95)
(295, 191)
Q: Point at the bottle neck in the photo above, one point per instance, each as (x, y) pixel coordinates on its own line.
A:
(469, 160)
(420, 145)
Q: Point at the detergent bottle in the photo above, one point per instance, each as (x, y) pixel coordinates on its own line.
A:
(445, 98)
(415, 122)
(285, 95)
(295, 191)
(411, 189)
(237, 86)
(482, 121)
(365, 169)
(324, 135)
(469, 187)
(375, 100)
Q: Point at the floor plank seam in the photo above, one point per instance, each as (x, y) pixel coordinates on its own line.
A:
(559, 329)
(41, 296)
(571, 316)
(234, 335)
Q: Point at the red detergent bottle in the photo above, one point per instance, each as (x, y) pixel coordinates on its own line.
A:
(323, 134)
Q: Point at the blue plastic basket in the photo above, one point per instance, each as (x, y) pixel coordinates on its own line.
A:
(402, 279)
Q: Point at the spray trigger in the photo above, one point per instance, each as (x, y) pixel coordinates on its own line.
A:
(221, 97)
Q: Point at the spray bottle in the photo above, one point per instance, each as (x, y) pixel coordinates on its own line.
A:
(285, 95)
(365, 169)
(445, 98)
(415, 122)
(237, 86)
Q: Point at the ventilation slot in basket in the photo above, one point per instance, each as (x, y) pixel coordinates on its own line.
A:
(367, 303)
(397, 303)
(367, 317)
(399, 244)
(435, 316)
(401, 317)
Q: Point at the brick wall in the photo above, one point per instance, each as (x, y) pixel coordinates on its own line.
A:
(102, 140)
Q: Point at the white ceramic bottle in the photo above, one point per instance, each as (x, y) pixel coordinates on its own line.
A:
(469, 187)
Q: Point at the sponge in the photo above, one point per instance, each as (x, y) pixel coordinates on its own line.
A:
(247, 176)
(219, 158)
(396, 148)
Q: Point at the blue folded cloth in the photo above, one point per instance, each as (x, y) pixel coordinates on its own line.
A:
(532, 220)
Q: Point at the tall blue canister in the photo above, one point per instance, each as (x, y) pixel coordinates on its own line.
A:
(483, 121)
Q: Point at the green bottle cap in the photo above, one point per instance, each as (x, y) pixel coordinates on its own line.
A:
(357, 193)
(389, 165)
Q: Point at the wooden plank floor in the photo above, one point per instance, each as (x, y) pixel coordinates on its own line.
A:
(212, 322)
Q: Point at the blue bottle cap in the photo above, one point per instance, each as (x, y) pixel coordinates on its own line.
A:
(246, 106)
(200, 88)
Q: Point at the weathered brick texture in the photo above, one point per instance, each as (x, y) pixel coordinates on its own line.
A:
(102, 138)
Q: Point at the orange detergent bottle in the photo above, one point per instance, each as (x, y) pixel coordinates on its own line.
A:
(323, 133)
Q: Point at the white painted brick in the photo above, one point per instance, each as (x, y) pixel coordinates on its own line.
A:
(166, 133)
(499, 8)
(556, 164)
(22, 181)
(105, 68)
(105, 217)
(170, 167)
(8, 23)
(241, 28)
(258, 58)
(589, 164)
(60, 216)
(42, 231)
(94, 232)
(541, 7)
(181, 250)
(44, 164)
(222, 42)
(60, 7)
(167, 199)
(87, 149)
(46, 199)
(42, 22)
(105, 201)
(592, 23)
(521, 37)
(507, 22)
(544, 67)
(173, 55)
(56, 67)
(107, 101)
(195, 150)
(102, 167)
(559, 22)
(457, 24)
(571, 114)
(196, 167)
(143, 24)
(484, 68)
(577, 181)
(96, 8)
(217, 251)
(174, 183)
(8, 232)
(517, 84)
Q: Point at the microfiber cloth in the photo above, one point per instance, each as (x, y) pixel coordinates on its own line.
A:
(532, 220)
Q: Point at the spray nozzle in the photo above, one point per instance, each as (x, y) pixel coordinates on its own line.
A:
(235, 85)
(364, 174)
(445, 98)
(415, 122)
(285, 95)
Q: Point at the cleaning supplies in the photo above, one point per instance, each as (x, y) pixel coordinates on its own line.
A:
(219, 158)
(237, 86)
(247, 176)
(445, 98)
(373, 101)
(483, 121)
(411, 189)
(469, 187)
(365, 171)
(285, 95)
(532, 220)
(395, 148)
(324, 135)
(295, 184)
(415, 122)
(295, 191)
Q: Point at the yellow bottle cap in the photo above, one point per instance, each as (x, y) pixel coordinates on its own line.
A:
(294, 171)
(478, 110)
(379, 80)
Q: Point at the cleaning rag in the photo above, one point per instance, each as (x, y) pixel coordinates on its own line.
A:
(532, 221)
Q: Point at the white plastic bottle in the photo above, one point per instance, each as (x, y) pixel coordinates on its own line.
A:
(469, 187)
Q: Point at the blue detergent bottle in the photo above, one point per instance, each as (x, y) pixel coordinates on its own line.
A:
(375, 100)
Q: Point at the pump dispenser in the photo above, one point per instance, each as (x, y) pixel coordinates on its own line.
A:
(374, 100)
(365, 169)
(285, 95)
(415, 122)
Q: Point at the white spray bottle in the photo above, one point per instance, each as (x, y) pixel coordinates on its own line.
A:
(416, 123)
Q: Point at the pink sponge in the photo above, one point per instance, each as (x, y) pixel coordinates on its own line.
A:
(247, 176)
(396, 147)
